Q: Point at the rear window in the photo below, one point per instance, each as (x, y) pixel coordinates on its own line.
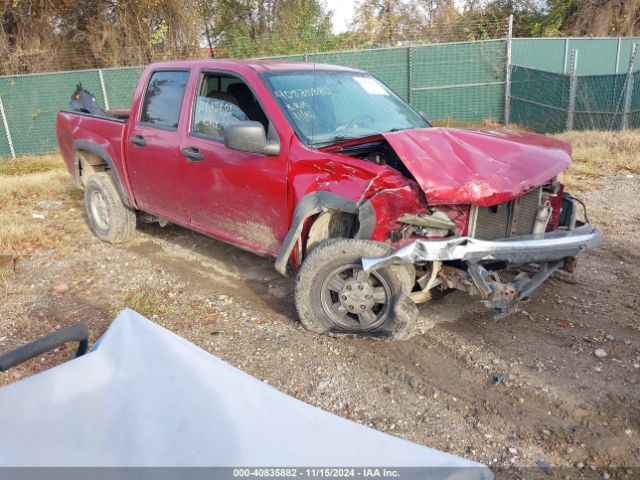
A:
(163, 99)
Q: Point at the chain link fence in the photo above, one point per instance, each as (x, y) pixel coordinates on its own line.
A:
(548, 102)
(456, 82)
(30, 104)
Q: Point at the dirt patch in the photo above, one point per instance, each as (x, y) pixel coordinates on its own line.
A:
(508, 392)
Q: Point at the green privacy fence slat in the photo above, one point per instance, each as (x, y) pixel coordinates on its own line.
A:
(598, 56)
(120, 84)
(599, 102)
(539, 99)
(541, 54)
(539, 86)
(5, 151)
(538, 118)
(634, 116)
(463, 81)
(459, 64)
(601, 93)
(466, 104)
(31, 103)
(626, 46)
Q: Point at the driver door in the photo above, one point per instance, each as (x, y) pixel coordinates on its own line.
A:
(239, 197)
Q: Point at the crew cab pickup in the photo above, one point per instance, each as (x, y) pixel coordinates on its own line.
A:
(327, 170)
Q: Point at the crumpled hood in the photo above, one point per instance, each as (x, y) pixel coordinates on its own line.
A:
(479, 167)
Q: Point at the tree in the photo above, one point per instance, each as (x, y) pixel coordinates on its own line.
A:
(566, 17)
(388, 22)
(41, 35)
(596, 17)
(243, 28)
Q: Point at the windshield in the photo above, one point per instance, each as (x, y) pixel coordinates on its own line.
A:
(328, 106)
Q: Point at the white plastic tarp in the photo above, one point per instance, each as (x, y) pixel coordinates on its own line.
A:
(147, 397)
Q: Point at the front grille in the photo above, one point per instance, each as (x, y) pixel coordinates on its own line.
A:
(509, 219)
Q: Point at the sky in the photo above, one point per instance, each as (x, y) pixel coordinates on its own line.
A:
(343, 11)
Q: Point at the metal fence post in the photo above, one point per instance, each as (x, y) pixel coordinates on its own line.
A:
(507, 77)
(573, 82)
(628, 89)
(566, 56)
(5, 124)
(103, 88)
(410, 75)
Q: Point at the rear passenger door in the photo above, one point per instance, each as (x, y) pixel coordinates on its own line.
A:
(240, 197)
(154, 161)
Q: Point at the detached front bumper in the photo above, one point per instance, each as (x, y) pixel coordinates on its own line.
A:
(548, 252)
(519, 250)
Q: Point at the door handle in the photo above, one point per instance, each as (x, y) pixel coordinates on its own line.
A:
(193, 154)
(138, 140)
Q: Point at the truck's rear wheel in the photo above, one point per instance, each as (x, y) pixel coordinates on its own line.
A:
(335, 296)
(109, 218)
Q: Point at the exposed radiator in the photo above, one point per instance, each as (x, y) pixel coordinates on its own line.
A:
(509, 219)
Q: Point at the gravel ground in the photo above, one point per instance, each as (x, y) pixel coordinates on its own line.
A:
(521, 391)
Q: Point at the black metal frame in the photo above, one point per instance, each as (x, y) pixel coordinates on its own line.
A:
(75, 333)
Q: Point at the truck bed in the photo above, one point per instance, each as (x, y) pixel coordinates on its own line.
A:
(74, 129)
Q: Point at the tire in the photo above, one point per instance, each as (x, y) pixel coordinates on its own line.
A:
(109, 218)
(334, 296)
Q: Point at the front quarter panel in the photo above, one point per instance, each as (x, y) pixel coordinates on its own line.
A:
(376, 194)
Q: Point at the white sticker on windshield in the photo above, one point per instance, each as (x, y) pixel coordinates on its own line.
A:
(371, 86)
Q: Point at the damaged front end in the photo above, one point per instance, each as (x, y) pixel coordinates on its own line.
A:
(500, 253)
(497, 223)
(481, 211)
(463, 263)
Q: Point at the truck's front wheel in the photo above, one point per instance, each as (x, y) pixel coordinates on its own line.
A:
(334, 295)
(109, 218)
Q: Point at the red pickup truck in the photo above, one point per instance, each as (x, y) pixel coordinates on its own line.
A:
(331, 173)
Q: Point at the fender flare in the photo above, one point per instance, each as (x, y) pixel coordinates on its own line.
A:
(104, 155)
(316, 202)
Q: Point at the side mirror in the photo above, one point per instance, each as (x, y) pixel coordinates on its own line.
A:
(249, 137)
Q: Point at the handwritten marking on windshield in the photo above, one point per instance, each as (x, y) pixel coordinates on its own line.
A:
(296, 93)
(301, 110)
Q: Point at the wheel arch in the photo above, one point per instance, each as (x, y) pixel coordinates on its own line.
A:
(319, 202)
(90, 152)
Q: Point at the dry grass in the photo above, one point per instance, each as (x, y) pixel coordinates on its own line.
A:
(24, 184)
(600, 154)
(149, 302)
(27, 165)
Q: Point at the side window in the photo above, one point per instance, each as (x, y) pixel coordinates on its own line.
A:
(163, 99)
(224, 99)
(212, 114)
